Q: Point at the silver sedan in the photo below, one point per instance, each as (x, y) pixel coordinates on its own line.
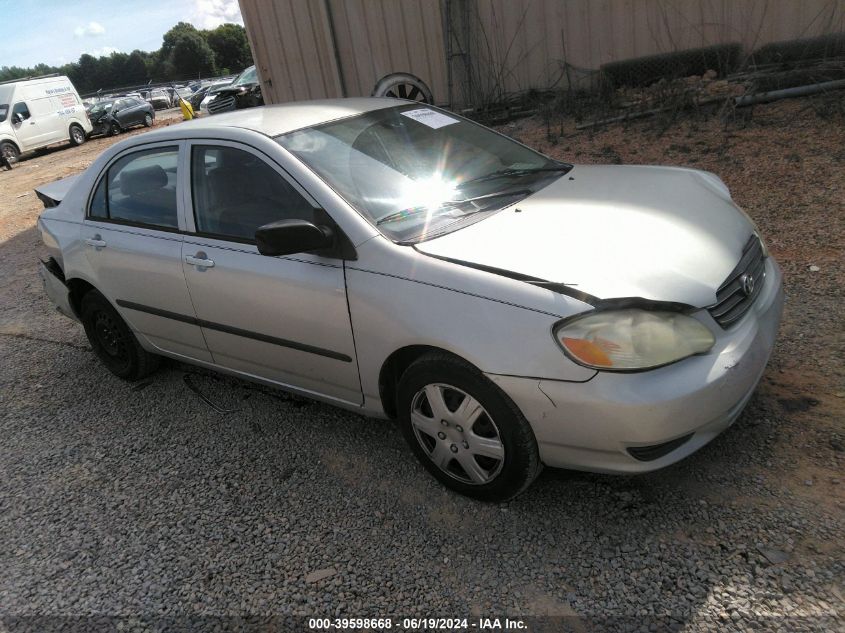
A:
(508, 310)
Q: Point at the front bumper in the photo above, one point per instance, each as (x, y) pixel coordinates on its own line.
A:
(593, 425)
(54, 286)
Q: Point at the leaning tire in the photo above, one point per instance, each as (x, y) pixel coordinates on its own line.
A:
(465, 430)
(77, 135)
(403, 86)
(148, 120)
(112, 340)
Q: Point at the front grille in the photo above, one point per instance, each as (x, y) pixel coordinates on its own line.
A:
(221, 104)
(742, 287)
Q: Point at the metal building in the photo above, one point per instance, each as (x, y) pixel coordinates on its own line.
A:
(471, 51)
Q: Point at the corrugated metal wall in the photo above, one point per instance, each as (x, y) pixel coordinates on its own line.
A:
(523, 44)
(309, 49)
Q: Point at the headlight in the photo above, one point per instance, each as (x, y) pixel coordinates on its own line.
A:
(625, 340)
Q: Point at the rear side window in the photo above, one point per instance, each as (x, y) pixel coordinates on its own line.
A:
(139, 189)
(234, 192)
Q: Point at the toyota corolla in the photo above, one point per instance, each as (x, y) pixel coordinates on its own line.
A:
(507, 309)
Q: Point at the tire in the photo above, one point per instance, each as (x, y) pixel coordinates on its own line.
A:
(9, 154)
(114, 129)
(77, 135)
(148, 120)
(112, 340)
(403, 86)
(496, 442)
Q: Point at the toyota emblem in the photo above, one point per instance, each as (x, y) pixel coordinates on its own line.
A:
(747, 282)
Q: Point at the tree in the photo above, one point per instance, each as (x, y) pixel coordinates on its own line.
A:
(230, 46)
(186, 53)
(135, 69)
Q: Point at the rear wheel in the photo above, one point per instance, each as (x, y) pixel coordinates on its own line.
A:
(112, 340)
(465, 430)
(148, 120)
(77, 135)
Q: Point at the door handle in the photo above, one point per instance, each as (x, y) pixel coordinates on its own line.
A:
(96, 242)
(199, 260)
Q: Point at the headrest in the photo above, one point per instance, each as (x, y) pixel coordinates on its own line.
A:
(141, 180)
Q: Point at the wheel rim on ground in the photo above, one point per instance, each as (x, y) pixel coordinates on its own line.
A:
(403, 86)
(457, 434)
(110, 337)
(406, 91)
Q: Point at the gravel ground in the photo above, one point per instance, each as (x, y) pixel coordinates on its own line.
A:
(145, 507)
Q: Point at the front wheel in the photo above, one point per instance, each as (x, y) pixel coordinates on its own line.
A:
(465, 430)
(114, 129)
(77, 135)
(9, 154)
(148, 120)
(112, 340)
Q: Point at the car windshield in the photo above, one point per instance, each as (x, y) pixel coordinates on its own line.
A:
(418, 172)
(4, 111)
(102, 106)
(249, 76)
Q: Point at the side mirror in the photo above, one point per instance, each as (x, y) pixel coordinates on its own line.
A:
(287, 237)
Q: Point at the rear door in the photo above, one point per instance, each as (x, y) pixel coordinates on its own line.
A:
(284, 319)
(133, 240)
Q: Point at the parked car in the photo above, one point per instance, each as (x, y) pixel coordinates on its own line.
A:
(111, 117)
(39, 112)
(159, 99)
(401, 261)
(197, 98)
(243, 92)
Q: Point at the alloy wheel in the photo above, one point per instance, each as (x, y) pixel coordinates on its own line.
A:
(457, 434)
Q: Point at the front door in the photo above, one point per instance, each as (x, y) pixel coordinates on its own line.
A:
(283, 319)
(134, 245)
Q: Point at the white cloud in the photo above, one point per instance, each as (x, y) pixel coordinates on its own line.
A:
(92, 28)
(211, 13)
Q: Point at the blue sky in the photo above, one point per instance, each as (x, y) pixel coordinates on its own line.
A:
(57, 32)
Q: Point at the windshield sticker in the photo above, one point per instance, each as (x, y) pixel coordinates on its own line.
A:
(430, 118)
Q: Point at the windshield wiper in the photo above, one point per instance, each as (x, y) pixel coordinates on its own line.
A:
(406, 213)
(513, 171)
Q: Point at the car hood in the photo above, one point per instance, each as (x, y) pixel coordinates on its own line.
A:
(656, 233)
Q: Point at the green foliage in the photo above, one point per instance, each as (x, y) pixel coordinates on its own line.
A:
(185, 53)
(230, 46)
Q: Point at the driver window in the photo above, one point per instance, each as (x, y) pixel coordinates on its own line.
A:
(234, 192)
(20, 108)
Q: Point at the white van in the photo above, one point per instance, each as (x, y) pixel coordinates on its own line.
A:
(38, 112)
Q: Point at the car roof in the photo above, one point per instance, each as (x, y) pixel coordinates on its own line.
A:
(282, 118)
